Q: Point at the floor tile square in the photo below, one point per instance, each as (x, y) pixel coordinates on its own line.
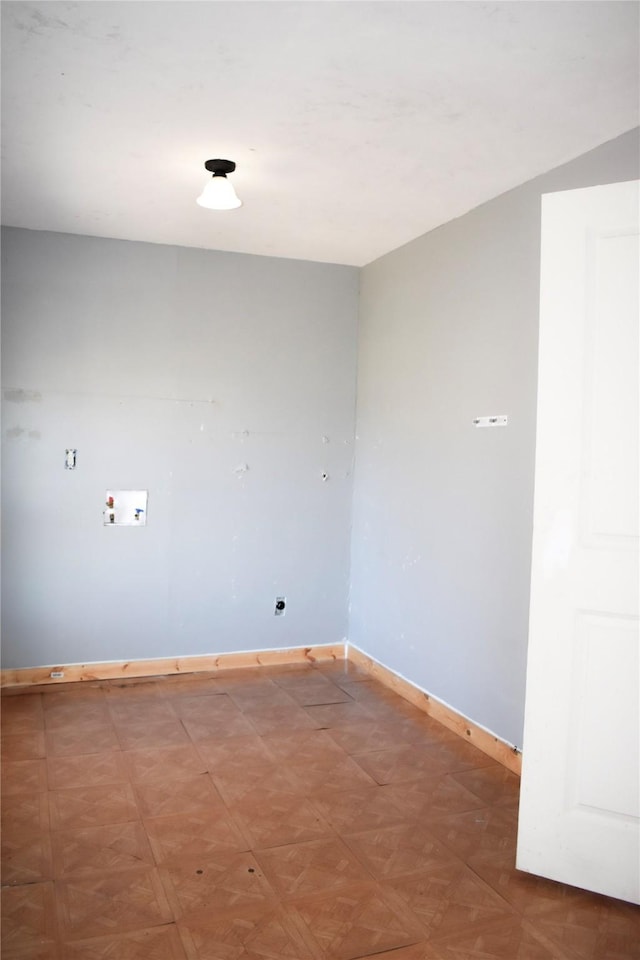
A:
(136, 735)
(493, 784)
(223, 754)
(400, 850)
(23, 776)
(373, 736)
(215, 884)
(523, 891)
(247, 694)
(236, 786)
(457, 755)
(167, 798)
(183, 836)
(28, 920)
(110, 903)
(74, 714)
(163, 763)
(337, 714)
(28, 745)
(359, 808)
(22, 712)
(274, 817)
(133, 690)
(266, 932)
(203, 709)
(37, 950)
(87, 851)
(487, 828)
(589, 926)
(72, 693)
(155, 943)
(317, 692)
(341, 670)
(123, 711)
(235, 725)
(299, 679)
(245, 681)
(266, 720)
(26, 858)
(356, 921)
(308, 745)
(301, 868)
(508, 939)
(328, 773)
(431, 798)
(419, 951)
(191, 685)
(251, 696)
(81, 738)
(386, 706)
(91, 770)
(24, 814)
(93, 806)
(362, 688)
(403, 763)
(449, 897)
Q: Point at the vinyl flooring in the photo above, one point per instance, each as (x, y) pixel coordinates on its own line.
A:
(300, 813)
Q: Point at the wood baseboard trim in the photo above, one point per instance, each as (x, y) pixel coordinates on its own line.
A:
(493, 746)
(77, 672)
(499, 750)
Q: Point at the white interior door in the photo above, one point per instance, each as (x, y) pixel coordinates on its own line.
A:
(580, 795)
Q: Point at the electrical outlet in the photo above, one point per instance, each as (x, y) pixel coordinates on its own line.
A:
(280, 607)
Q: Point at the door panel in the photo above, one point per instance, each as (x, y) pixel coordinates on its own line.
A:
(580, 795)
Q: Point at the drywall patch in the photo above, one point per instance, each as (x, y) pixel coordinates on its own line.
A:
(22, 396)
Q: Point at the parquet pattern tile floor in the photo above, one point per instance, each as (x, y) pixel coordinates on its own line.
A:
(289, 813)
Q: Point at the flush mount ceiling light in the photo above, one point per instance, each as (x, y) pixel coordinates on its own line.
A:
(218, 193)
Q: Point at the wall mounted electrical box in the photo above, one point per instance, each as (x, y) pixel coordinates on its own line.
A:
(125, 508)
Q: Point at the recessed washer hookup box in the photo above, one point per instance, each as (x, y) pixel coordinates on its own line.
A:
(125, 508)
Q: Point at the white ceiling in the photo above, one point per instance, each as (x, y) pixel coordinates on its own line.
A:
(356, 126)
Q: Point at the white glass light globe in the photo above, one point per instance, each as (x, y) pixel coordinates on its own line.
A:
(219, 194)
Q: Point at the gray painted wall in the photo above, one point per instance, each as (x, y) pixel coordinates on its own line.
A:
(443, 511)
(172, 370)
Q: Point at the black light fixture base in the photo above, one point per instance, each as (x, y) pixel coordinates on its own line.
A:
(220, 168)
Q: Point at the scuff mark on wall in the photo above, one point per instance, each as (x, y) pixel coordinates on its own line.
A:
(22, 396)
(34, 396)
(14, 433)
(241, 470)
